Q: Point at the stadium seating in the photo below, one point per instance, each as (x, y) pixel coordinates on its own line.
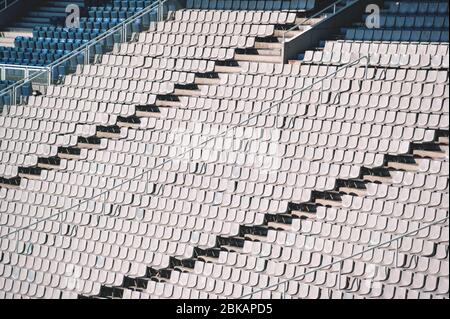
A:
(245, 171)
(269, 5)
(51, 39)
(25, 90)
(415, 21)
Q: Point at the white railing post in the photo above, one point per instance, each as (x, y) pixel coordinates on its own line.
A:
(396, 253)
(160, 11)
(124, 33)
(49, 75)
(340, 275)
(13, 102)
(283, 296)
(367, 66)
(86, 55)
(16, 249)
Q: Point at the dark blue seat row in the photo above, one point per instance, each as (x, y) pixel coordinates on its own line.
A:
(25, 90)
(395, 35)
(417, 22)
(37, 57)
(416, 7)
(64, 33)
(293, 5)
(124, 13)
(50, 43)
(57, 38)
(131, 3)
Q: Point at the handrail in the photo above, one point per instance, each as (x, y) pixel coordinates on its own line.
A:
(25, 70)
(315, 15)
(340, 261)
(6, 65)
(165, 161)
(85, 47)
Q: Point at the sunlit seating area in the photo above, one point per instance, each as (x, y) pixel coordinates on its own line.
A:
(195, 160)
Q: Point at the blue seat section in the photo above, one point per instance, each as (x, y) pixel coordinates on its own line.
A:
(30, 57)
(65, 33)
(417, 7)
(410, 20)
(26, 90)
(403, 21)
(361, 34)
(51, 40)
(291, 5)
(414, 22)
(5, 99)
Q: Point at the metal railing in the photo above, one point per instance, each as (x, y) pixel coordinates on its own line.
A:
(87, 50)
(332, 6)
(12, 72)
(340, 261)
(231, 129)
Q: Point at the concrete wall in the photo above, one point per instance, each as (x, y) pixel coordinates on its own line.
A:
(322, 30)
(11, 13)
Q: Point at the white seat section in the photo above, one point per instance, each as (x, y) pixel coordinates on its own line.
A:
(190, 162)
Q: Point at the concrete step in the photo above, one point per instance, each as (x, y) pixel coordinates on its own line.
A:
(350, 190)
(111, 135)
(13, 33)
(377, 179)
(48, 166)
(209, 259)
(7, 42)
(269, 52)
(69, 156)
(303, 214)
(280, 226)
(185, 92)
(443, 140)
(11, 186)
(412, 167)
(268, 45)
(259, 58)
(287, 34)
(207, 81)
(232, 248)
(227, 69)
(89, 146)
(7, 37)
(128, 125)
(253, 237)
(328, 202)
(431, 153)
(165, 103)
(307, 21)
(148, 114)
